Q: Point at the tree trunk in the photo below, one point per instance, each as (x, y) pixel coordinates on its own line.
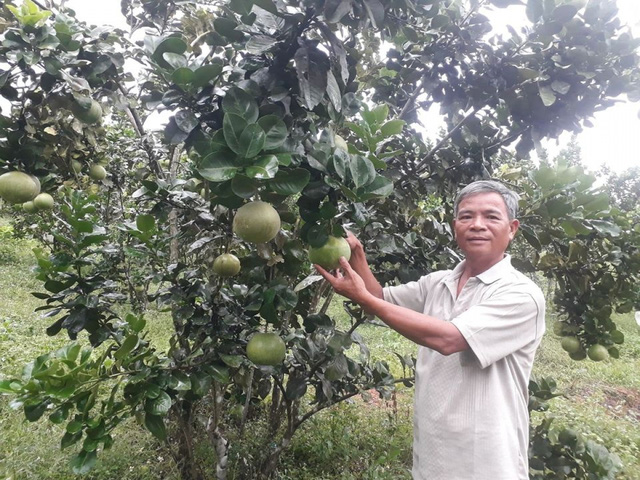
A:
(184, 457)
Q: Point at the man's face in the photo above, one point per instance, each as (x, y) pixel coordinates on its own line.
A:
(482, 227)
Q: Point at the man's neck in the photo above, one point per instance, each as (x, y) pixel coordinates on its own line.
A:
(475, 268)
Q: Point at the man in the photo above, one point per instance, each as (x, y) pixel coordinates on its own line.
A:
(477, 327)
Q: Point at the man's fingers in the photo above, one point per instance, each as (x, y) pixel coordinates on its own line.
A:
(344, 264)
(328, 277)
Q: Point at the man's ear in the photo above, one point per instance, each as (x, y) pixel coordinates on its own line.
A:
(513, 227)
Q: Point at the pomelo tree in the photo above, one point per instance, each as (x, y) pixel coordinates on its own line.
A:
(297, 107)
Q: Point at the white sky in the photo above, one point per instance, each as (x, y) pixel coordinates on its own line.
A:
(614, 139)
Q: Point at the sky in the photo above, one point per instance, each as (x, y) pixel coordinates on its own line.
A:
(613, 140)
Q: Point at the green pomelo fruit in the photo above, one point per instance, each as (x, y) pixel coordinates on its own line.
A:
(266, 349)
(43, 201)
(97, 172)
(571, 344)
(18, 187)
(226, 265)
(597, 352)
(76, 166)
(328, 255)
(256, 222)
(29, 207)
(90, 115)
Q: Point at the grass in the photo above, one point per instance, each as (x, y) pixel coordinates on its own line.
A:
(358, 439)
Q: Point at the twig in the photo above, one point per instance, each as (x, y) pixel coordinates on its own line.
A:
(444, 139)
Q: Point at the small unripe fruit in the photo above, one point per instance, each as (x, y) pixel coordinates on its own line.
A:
(44, 201)
(226, 265)
(29, 207)
(571, 344)
(90, 115)
(97, 172)
(76, 166)
(597, 352)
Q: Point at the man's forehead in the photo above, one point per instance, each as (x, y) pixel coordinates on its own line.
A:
(485, 201)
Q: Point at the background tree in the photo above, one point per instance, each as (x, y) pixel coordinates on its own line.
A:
(292, 105)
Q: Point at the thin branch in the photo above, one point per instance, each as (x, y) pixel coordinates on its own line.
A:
(444, 139)
(347, 396)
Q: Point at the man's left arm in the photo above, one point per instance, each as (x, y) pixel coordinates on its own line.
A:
(422, 329)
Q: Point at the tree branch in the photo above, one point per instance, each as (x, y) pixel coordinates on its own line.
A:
(444, 139)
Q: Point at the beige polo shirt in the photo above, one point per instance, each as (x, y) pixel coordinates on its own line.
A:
(471, 420)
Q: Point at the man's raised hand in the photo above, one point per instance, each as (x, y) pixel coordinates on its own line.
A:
(346, 281)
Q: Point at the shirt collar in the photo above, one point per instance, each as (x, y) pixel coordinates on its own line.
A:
(488, 276)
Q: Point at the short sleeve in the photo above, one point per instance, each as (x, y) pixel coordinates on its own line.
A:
(410, 295)
(502, 324)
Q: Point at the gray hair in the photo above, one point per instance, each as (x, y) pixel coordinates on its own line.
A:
(489, 186)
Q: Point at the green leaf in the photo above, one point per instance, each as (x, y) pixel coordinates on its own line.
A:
(180, 381)
(312, 66)
(267, 5)
(379, 188)
(227, 28)
(83, 462)
(155, 424)
(183, 76)
(334, 92)
(358, 130)
(558, 207)
(252, 141)
(169, 44)
(206, 74)
(340, 162)
(290, 182)
(564, 13)
(238, 102)
(186, 120)
(535, 9)
(69, 439)
(362, 170)
(375, 12)
(33, 411)
(244, 187)
(200, 383)
(136, 323)
(392, 127)
(275, 130)
(145, 223)
(220, 373)
(334, 10)
(127, 347)
(241, 7)
(218, 167)
(547, 95)
(10, 386)
(234, 361)
(159, 405)
(606, 228)
(265, 167)
(247, 140)
(174, 60)
(259, 44)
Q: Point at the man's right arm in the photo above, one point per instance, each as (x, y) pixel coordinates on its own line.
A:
(358, 262)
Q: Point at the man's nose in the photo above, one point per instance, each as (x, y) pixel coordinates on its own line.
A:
(478, 223)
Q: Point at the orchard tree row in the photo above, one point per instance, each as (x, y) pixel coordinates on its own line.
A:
(286, 124)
